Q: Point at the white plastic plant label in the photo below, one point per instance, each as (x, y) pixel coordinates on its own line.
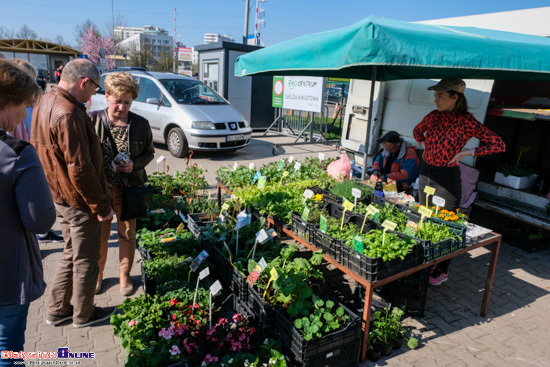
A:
(204, 273)
(308, 194)
(297, 166)
(356, 193)
(215, 288)
(262, 263)
(438, 201)
(262, 236)
(251, 165)
(321, 156)
(235, 166)
(290, 159)
(160, 159)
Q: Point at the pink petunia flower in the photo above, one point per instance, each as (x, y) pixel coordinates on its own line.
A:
(175, 350)
(132, 323)
(209, 358)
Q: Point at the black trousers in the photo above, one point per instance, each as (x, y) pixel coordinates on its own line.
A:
(447, 184)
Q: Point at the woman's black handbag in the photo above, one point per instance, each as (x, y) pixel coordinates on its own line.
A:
(135, 202)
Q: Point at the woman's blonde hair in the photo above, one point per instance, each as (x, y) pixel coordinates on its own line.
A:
(27, 66)
(16, 85)
(119, 83)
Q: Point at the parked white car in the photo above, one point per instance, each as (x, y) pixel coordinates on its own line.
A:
(184, 113)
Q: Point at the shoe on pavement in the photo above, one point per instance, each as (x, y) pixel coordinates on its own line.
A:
(56, 320)
(439, 278)
(50, 237)
(100, 314)
(126, 291)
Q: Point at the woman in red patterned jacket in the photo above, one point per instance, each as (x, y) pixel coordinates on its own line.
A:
(443, 133)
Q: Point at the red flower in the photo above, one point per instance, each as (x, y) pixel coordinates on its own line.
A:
(173, 301)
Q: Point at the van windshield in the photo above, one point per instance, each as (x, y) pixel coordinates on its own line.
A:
(187, 91)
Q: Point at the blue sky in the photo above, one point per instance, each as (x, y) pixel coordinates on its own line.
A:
(285, 19)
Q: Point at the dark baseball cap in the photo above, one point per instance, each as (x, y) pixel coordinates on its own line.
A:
(389, 137)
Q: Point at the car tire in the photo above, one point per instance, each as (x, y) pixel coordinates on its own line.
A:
(177, 143)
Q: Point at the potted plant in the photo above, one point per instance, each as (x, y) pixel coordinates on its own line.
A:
(374, 349)
(387, 328)
(517, 176)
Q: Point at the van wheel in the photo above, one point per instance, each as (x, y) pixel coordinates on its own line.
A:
(177, 144)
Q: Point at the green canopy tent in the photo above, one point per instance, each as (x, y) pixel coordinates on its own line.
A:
(381, 49)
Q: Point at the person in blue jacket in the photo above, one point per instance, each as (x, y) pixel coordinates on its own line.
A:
(397, 161)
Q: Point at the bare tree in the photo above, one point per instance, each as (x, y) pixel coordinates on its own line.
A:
(81, 29)
(59, 40)
(26, 33)
(6, 32)
(165, 60)
(142, 57)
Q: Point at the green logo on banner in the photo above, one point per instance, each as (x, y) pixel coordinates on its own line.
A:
(278, 91)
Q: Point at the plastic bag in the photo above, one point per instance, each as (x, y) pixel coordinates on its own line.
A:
(340, 168)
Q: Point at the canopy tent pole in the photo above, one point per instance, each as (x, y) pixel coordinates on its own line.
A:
(367, 138)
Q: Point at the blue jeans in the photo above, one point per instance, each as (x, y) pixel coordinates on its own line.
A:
(13, 322)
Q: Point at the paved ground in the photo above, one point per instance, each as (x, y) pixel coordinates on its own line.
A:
(516, 331)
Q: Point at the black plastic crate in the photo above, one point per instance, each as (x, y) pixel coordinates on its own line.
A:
(302, 228)
(374, 269)
(227, 273)
(430, 251)
(196, 222)
(321, 350)
(143, 252)
(329, 245)
(264, 312)
(328, 197)
(409, 293)
(375, 199)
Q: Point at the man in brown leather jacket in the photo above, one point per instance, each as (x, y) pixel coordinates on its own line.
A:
(69, 150)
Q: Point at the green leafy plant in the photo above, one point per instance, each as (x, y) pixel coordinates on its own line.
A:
(344, 188)
(388, 326)
(518, 170)
(434, 232)
(323, 320)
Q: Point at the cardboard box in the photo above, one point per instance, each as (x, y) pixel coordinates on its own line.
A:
(515, 181)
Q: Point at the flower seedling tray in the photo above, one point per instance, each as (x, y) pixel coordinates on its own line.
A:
(302, 228)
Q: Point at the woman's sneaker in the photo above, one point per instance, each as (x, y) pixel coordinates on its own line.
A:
(100, 314)
(438, 279)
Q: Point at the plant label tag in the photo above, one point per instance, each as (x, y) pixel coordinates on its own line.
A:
(323, 224)
(204, 273)
(425, 212)
(308, 194)
(181, 263)
(243, 220)
(305, 213)
(235, 166)
(168, 239)
(160, 159)
(237, 206)
(285, 173)
(271, 232)
(262, 236)
(372, 210)
(198, 260)
(389, 225)
(356, 193)
(182, 217)
(348, 205)
(254, 275)
(429, 190)
(439, 202)
(179, 229)
(281, 165)
(256, 176)
(411, 228)
(262, 263)
(321, 156)
(215, 288)
(261, 182)
(251, 165)
(290, 159)
(274, 274)
(358, 244)
(297, 166)
(225, 206)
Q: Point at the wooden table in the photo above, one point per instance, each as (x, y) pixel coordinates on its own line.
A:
(489, 239)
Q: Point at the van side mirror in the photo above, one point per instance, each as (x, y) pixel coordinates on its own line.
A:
(153, 101)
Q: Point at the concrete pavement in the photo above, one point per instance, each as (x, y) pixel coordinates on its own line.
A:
(516, 331)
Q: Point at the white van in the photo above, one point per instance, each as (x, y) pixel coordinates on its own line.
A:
(184, 113)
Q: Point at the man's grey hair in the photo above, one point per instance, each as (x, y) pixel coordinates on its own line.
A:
(79, 68)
